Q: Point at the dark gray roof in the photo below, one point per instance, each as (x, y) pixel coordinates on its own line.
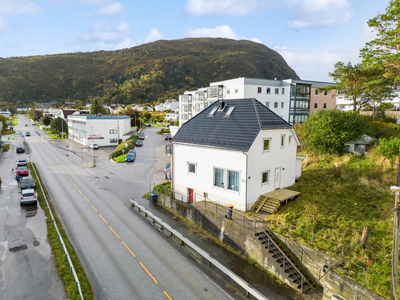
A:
(236, 132)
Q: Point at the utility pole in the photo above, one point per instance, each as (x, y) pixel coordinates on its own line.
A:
(398, 164)
(395, 251)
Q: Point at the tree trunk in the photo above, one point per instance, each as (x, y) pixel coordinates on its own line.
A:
(365, 235)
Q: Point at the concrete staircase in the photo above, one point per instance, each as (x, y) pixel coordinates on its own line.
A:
(287, 261)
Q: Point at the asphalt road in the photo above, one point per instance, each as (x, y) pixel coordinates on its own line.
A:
(27, 270)
(124, 257)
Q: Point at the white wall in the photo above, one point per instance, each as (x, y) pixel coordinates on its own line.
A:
(277, 157)
(102, 127)
(203, 180)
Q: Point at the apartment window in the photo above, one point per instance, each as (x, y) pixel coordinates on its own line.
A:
(233, 181)
(267, 143)
(219, 177)
(315, 105)
(192, 168)
(282, 104)
(113, 141)
(236, 90)
(283, 91)
(268, 90)
(259, 90)
(113, 131)
(267, 104)
(265, 177)
(275, 104)
(282, 141)
(290, 139)
(276, 91)
(326, 93)
(228, 91)
(325, 105)
(316, 92)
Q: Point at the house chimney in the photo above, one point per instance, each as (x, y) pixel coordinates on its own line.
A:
(222, 105)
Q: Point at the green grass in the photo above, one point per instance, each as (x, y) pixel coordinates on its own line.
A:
(53, 136)
(160, 125)
(120, 159)
(340, 195)
(62, 264)
(15, 123)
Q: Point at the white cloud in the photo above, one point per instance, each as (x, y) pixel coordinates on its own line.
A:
(315, 64)
(109, 10)
(226, 7)
(220, 31)
(153, 35)
(367, 32)
(14, 7)
(318, 13)
(3, 25)
(256, 40)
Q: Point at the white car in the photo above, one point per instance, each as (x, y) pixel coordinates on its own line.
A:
(28, 196)
(94, 146)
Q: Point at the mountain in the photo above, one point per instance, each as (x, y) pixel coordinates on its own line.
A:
(146, 73)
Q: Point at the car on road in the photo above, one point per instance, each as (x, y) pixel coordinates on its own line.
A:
(27, 133)
(26, 124)
(168, 137)
(22, 162)
(94, 146)
(28, 183)
(139, 143)
(22, 171)
(28, 196)
(20, 150)
(132, 151)
(141, 136)
(148, 125)
(130, 157)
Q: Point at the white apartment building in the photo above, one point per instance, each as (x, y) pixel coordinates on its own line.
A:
(289, 99)
(102, 130)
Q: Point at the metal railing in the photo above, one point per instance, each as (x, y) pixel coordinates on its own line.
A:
(247, 287)
(63, 247)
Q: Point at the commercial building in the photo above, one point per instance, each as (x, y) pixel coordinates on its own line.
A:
(102, 130)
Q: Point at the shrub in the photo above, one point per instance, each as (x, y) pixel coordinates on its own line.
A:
(131, 141)
(176, 123)
(6, 147)
(384, 129)
(163, 130)
(389, 147)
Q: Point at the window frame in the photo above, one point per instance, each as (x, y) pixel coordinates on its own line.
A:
(223, 178)
(268, 91)
(325, 106)
(276, 91)
(269, 139)
(315, 105)
(259, 90)
(228, 91)
(316, 93)
(267, 104)
(283, 91)
(290, 139)
(283, 136)
(282, 104)
(113, 141)
(325, 93)
(113, 131)
(189, 163)
(268, 177)
(275, 104)
(227, 178)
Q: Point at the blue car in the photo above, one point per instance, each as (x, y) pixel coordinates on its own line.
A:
(130, 157)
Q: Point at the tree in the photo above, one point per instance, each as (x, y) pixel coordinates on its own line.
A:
(59, 125)
(326, 131)
(4, 120)
(35, 115)
(45, 120)
(146, 115)
(97, 108)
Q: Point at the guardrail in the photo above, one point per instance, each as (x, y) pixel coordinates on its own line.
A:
(77, 283)
(247, 287)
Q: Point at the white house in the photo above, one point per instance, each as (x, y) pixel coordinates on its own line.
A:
(171, 116)
(22, 108)
(105, 130)
(232, 152)
(6, 113)
(64, 113)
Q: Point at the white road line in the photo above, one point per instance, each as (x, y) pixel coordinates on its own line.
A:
(89, 171)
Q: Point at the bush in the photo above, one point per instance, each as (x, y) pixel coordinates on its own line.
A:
(6, 147)
(176, 123)
(384, 129)
(163, 130)
(118, 150)
(389, 147)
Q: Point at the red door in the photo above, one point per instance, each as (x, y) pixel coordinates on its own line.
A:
(190, 195)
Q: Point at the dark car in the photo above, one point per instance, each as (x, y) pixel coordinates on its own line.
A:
(28, 133)
(141, 136)
(28, 183)
(148, 125)
(20, 150)
(139, 143)
(26, 124)
(168, 137)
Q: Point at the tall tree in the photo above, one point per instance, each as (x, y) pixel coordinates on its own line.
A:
(59, 125)
(97, 108)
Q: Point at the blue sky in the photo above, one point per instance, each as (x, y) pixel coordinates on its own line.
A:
(311, 35)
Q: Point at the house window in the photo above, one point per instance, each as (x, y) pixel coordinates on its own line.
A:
(233, 181)
(275, 104)
(113, 141)
(325, 105)
(228, 91)
(290, 139)
(283, 91)
(267, 104)
(192, 168)
(326, 93)
(265, 177)
(282, 104)
(236, 90)
(282, 141)
(113, 131)
(259, 90)
(268, 90)
(219, 177)
(276, 91)
(316, 92)
(315, 105)
(267, 143)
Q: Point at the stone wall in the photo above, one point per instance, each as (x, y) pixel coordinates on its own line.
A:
(244, 240)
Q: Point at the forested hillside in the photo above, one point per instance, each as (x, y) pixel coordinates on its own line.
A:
(146, 73)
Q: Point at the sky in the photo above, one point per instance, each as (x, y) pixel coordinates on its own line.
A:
(311, 35)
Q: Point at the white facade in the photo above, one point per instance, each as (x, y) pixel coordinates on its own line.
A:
(6, 113)
(22, 108)
(344, 103)
(279, 162)
(169, 104)
(171, 116)
(101, 130)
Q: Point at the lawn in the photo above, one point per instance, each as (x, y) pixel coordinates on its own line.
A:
(160, 125)
(54, 136)
(120, 159)
(340, 195)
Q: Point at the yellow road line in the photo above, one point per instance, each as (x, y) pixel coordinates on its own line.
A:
(80, 192)
(103, 218)
(167, 295)
(71, 181)
(66, 176)
(86, 199)
(114, 232)
(94, 208)
(148, 272)
(75, 185)
(129, 249)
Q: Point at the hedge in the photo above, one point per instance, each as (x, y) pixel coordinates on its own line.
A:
(131, 145)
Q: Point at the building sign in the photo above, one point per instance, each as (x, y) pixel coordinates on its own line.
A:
(95, 137)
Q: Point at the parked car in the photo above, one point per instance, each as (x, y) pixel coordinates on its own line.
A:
(28, 183)
(27, 133)
(139, 143)
(22, 171)
(167, 167)
(132, 151)
(26, 124)
(28, 196)
(94, 146)
(20, 150)
(130, 157)
(148, 125)
(168, 137)
(141, 136)
(22, 162)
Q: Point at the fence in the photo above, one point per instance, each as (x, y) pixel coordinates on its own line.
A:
(77, 283)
